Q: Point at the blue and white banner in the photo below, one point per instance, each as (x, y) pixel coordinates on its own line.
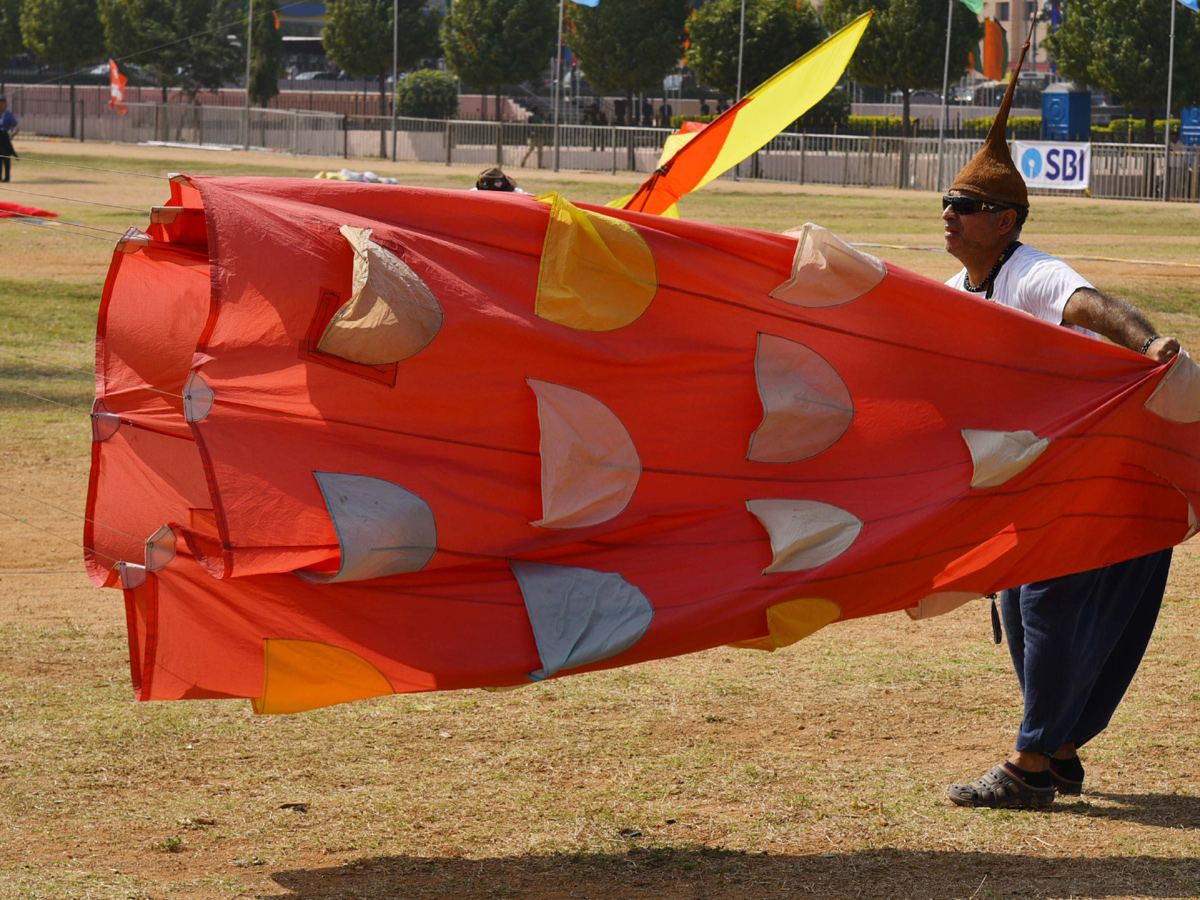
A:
(1193, 5)
(1065, 165)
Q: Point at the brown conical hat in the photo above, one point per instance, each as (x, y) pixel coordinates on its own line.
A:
(991, 174)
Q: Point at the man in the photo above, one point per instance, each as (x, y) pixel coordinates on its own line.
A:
(8, 129)
(1075, 641)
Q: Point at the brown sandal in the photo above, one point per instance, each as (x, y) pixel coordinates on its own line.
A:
(1001, 789)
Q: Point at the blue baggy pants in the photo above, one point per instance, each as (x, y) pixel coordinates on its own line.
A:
(1076, 643)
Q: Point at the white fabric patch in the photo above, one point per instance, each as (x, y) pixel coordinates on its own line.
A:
(1001, 455)
(590, 467)
(391, 314)
(104, 423)
(806, 404)
(804, 534)
(198, 398)
(382, 528)
(132, 575)
(160, 549)
(1177, 397)
(826, 271)
(940, 604)
(580, 616)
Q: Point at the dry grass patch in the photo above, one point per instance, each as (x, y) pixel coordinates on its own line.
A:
(818, 771)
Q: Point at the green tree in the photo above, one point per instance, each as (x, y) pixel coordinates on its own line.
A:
(904, 47)
(626, 46)
(267, 53)
(1124, 48)
(63, 33)
(358, 37)
(428, 94)
(180, 43)
(208, 54)
(496, 43)
(10, 34)
(777, 34)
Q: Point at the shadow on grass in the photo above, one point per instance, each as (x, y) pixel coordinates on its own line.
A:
(652, 873)
(1162, 810)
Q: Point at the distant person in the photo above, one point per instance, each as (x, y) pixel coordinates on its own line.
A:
(494, 179)
(8, 129)
(647, 113)
(537, 139)
(619, 113)
(704, 109)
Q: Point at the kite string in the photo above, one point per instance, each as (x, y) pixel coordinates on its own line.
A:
(16, 390)
(45, 225)
(4, 487)
(71, 541)
(51, 223)
(13, 190)
(90, 374)
(51, 162)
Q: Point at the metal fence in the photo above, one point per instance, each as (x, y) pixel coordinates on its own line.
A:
(1120, 171)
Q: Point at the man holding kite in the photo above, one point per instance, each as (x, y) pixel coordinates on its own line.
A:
(1075, 641)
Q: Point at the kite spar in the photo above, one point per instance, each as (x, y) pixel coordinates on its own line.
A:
(691, 159)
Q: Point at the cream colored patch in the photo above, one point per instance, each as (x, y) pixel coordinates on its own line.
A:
(590, 466)
(391, 315)
(806, 404)
(940, 604)
(826, 271)
(804, 534)
(999, 456)
(1177, 397)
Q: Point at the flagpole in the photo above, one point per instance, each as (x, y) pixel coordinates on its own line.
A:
(249, 37)
(741, 45)
(945, 91)
(558, 53)
(1167, 130)
(737, 170)
(395, 61)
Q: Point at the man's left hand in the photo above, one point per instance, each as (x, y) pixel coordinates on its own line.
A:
(1163, 349)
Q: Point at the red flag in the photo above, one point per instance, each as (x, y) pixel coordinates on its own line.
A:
(116, 88)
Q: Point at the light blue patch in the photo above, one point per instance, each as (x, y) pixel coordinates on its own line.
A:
(580, 616)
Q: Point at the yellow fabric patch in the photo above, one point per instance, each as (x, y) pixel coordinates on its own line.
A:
(302, 675)
(793, 621)
(597, 272)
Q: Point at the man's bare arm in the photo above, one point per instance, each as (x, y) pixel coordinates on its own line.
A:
(1118, 321)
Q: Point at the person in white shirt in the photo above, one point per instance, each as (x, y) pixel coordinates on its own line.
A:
(1076, 641)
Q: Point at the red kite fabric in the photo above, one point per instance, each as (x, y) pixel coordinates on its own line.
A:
(356, 439)
(14, 210)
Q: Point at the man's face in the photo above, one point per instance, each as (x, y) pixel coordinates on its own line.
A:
(970, 233)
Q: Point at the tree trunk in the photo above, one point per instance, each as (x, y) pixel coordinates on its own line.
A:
(499, 127)
(72, 96)
(631, 158)
(906, 130)
(906, 109)
(383, 117)
(1148, 131)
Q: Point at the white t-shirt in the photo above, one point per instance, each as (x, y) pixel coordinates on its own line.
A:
(1033, 282)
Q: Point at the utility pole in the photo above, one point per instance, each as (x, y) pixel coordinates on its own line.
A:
(249, 47)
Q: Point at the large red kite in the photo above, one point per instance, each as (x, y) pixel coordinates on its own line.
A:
(355, 439)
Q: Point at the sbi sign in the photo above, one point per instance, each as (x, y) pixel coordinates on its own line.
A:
(1054, 164)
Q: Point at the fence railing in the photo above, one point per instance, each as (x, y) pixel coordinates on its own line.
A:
(1119, 171)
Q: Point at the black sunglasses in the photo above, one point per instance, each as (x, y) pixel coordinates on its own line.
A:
(968, 206)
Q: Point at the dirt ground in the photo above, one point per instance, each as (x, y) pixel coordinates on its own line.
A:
(818, 771)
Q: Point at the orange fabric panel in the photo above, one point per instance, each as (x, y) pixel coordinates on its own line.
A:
(457, 425)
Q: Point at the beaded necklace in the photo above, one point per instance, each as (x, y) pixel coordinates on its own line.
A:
(989, 280)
